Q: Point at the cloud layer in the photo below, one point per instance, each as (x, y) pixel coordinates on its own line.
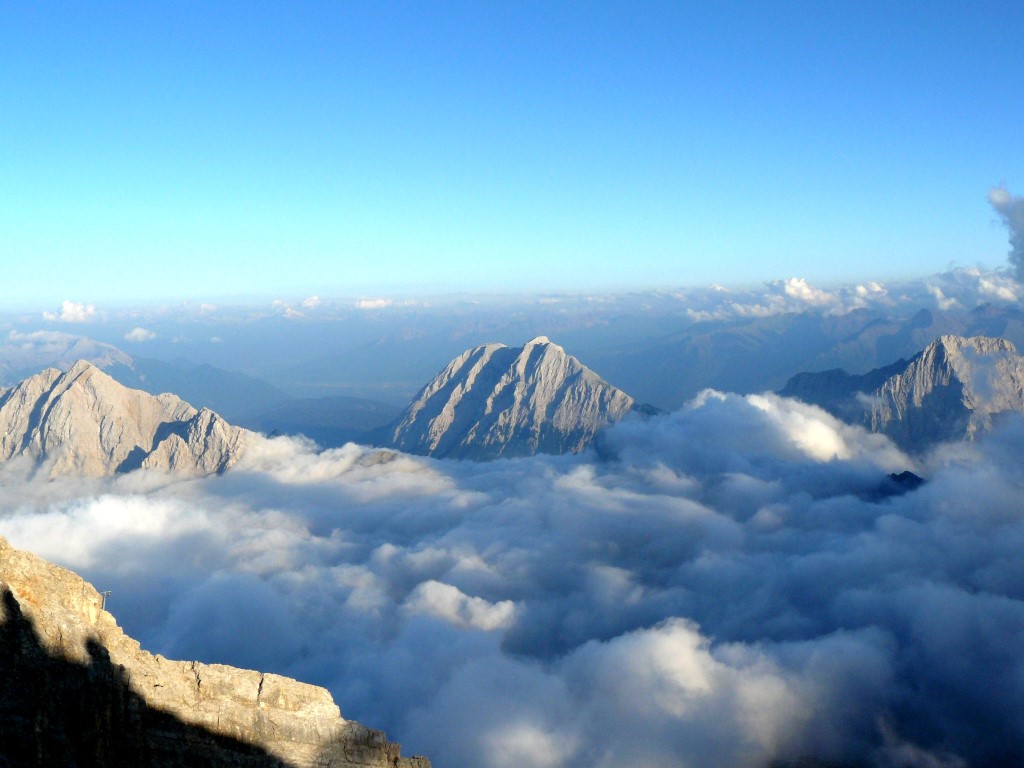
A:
(723, 586)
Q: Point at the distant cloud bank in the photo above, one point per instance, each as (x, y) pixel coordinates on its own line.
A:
(723, 587)
(139, 334)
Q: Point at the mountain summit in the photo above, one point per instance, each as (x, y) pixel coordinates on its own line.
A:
(497, 401)
(952, 390)
(82, 422)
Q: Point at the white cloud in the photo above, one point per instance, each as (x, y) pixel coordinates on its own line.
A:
(1011, 210)
(139, 334)
(373, 303)
(311, 302)
(800, 289)
(35, 339)
(999, 287)
(943, 302)
(721, 586)
(72, 312)
(450, 604)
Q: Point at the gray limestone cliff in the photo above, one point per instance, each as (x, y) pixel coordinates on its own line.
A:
(495, 401)
(82, 422)
(953, 390)
(75, 690)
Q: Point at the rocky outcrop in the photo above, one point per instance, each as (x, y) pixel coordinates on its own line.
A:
(496, 401)
(82, 422)
(952, 390)
(75, 690)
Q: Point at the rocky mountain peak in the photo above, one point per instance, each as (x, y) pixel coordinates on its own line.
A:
(494, 400)
(950, 391)
(953, 389)
(539, 340)
(83, 422)
(981, 344)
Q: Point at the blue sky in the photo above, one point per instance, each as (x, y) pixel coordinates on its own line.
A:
(168, 151)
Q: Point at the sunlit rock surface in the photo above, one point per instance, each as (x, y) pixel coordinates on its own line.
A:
(75, 690)
(953, 390)
(82, 422)
(496, 401)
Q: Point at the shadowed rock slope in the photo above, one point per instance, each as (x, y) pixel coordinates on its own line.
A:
(75, 690)
(82, 422)
(952, 390)
(495, 401)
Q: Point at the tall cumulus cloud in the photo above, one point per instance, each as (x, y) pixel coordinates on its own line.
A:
(722, 586)
(1011, 210)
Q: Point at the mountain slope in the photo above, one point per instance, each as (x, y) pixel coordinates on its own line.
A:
(75, 690)
(494, 401)
(952, 390)
(83, 422)
(840, 393)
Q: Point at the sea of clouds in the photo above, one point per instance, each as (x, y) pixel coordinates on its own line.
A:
(727, 585)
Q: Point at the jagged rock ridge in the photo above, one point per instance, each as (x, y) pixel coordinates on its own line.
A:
(952, 390)
(77, 691)
(82, 422)
(494, 401)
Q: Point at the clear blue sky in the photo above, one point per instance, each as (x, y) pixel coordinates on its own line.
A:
(176, 150)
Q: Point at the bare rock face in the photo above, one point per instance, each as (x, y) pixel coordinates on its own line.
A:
(82, 422)
(952, 390)
(75, 690)
(495, 401)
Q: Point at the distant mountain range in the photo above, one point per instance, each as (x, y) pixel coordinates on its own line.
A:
(740, 354)
(491, 401)
(497, 401)
(241, 399)
(754, 354)
(952, 390)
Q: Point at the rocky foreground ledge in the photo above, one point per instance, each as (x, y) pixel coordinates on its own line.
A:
(75, 690)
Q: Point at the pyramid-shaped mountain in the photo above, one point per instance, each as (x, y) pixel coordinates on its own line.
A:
(497, 401)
